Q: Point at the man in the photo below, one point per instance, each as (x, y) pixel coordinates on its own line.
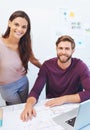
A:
(63, 77)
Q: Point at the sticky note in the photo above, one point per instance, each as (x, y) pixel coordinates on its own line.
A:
(1, 117)
(0, 122)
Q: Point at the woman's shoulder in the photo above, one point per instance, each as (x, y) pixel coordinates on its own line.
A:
(1, 40)
(2, 44)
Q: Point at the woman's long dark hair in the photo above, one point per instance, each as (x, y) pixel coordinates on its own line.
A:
(25, 48)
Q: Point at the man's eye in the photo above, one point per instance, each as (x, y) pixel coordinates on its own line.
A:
(67, 48)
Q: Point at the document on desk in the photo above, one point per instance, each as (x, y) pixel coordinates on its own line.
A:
(43, 120)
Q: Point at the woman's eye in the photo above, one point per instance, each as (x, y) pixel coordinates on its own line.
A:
(24, 27)
(16, 24)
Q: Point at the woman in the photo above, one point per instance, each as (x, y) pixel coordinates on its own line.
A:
(15, 53)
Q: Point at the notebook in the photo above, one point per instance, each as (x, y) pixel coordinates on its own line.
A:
(76, 119)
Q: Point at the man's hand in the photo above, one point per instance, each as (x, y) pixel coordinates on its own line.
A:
(56, 101)
(74, 98)
(29, 110)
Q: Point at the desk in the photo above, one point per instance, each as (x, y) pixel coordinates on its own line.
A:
(43, 120)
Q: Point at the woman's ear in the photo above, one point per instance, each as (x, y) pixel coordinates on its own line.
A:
(9, 23)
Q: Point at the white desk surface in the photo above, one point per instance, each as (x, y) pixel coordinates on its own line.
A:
(43, 120)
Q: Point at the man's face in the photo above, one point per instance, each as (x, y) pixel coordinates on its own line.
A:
(64, 51)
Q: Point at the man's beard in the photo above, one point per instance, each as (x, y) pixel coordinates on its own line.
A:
(64, 61)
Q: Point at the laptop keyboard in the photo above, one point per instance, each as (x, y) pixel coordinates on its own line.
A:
(71, 121)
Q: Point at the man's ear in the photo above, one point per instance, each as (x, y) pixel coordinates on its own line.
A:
(56, 48)
(73, 50)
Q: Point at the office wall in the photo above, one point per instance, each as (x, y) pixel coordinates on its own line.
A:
(49, 20)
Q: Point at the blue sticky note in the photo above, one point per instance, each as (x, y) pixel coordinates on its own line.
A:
(0, 123)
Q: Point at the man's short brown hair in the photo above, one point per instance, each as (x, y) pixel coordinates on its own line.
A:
(66, 38)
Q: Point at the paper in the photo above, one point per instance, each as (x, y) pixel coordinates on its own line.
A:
(43, 120)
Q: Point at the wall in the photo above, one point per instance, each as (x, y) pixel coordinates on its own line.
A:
(49, 20)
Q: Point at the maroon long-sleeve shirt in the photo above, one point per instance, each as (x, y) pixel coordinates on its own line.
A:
(61, 82)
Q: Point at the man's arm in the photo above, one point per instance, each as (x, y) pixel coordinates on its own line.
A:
(33, 96)
(74, 98)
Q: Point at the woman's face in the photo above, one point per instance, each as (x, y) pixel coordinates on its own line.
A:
(18, 27)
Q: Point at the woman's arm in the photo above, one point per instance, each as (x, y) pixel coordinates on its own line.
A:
(35, 61)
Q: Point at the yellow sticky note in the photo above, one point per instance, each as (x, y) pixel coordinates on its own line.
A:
(72, 14)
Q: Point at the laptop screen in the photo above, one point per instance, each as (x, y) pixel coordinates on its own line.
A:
(71, 121)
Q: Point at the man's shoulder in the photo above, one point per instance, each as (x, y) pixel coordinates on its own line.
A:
(78, 62)
(52, 60)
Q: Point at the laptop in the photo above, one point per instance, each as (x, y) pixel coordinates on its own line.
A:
(76, 119)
